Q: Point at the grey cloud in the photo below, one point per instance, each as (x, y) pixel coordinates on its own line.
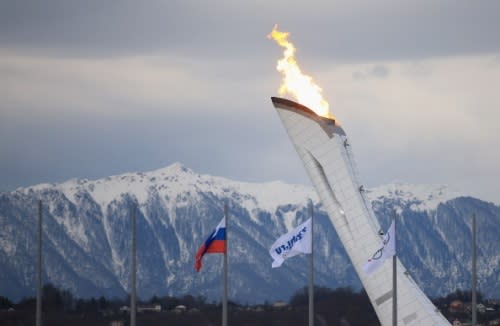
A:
(377, 71)
(358, 75)
(339, 30)
(417, 69)
(54, 148)
(380, 71)
(221, 43)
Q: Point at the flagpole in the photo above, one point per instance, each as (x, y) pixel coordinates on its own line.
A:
(311, 269)
(224, 293)
(394, 277)
(39, 269)
(474, 272)
(133, 255)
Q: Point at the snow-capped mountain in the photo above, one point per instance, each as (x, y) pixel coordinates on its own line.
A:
(87, 236)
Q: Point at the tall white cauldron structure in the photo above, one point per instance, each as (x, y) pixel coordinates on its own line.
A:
(326, 153)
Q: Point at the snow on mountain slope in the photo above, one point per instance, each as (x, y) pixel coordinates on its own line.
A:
(87, 225)
(420, 197)
(176, 179)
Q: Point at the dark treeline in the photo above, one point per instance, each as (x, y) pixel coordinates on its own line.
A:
(341, 306)
(57, 300)
(458, 306)
(462, 295)
(333, 307)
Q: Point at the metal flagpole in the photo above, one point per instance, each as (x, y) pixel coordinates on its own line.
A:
(39, 269)
(133, 294)
(394, 277)
(311, 269)
(224, 291)
(474, 272)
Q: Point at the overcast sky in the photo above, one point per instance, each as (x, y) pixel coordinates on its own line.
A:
(96, 88)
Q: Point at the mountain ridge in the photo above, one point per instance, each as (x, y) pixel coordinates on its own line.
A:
(87, 228)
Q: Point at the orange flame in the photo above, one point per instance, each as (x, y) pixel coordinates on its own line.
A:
(294, 82)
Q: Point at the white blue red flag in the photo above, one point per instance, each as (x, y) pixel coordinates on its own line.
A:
(387, 250)
(215, 244)
(297, 241)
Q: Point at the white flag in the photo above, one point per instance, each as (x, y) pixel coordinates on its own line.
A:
(387, 250)
(297, 241)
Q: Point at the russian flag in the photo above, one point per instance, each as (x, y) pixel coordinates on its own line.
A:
(215, 244)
